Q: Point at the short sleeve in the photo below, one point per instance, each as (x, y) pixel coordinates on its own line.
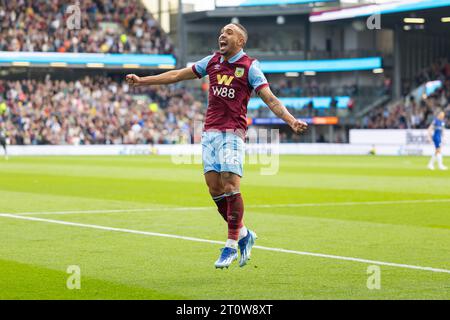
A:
(256, 77)
(199, 67)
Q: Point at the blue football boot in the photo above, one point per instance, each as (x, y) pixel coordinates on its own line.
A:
(245, 247)
(227, 257)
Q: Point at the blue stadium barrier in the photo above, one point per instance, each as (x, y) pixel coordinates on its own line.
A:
(108, 60)
(333, 65)
(308, 120)
(299, 103)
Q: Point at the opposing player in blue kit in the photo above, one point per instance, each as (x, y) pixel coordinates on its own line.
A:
(436, 135)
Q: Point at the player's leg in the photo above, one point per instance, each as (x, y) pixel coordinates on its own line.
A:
(211, 168)
(440, 160)
(217, 192)
(230, 172)
(235, 212)
(3, 143)
(238, 234)
(211, 171)
(434, 157)
(438, 155)
(235, 209)
(233, 155)
(432, 161)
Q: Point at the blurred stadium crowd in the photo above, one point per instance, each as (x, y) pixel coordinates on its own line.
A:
(96, 111)
(105, 110)
(109, 26)
(102, 110)
(412, 112)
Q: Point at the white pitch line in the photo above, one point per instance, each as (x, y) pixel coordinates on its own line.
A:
(154, 234)
(286, 205)
(114, 210)
(355, 203)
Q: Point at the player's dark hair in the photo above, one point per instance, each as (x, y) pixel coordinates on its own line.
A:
(244, 31)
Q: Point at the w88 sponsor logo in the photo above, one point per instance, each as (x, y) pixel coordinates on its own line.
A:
(224, 92)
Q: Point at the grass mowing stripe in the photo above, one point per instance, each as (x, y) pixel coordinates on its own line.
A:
(286, 205)
(21, 281)
(146, 233)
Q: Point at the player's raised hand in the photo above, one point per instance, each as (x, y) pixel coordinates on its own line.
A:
(132, 79)
(299, 126)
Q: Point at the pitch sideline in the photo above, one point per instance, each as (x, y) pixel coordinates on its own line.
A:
(146, 233)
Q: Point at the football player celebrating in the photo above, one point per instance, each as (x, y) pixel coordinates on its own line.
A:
(233, 75)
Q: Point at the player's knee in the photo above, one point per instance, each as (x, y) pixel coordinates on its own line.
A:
(230, 182)
(231, 187)
(215, 190)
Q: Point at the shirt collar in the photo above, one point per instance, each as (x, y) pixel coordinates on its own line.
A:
(235, 58)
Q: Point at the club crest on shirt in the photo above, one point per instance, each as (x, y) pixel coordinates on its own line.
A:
(239, 72)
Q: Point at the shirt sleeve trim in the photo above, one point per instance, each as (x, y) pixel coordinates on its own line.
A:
(194, 69)
(261, 86)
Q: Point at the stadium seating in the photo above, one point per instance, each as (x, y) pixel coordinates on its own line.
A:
(411, 112)
(101, 110)
(106, 27)
(96, 111)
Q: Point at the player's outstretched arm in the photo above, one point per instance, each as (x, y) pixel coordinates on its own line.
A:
(280, 110)
(163, 78)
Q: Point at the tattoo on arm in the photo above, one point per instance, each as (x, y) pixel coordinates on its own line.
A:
(275, 105)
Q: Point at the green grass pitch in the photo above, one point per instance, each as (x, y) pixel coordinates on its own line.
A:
(311, 205)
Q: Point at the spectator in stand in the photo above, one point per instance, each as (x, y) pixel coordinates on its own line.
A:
(106, 26)
(410, 113)
(96, 111)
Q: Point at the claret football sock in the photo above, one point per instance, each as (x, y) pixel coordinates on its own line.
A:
(222, 205)
(235, 215)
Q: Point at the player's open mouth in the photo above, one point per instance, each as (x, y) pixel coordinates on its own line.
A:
(222, 44)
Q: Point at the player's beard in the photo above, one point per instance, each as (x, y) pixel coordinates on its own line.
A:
(226, 50)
